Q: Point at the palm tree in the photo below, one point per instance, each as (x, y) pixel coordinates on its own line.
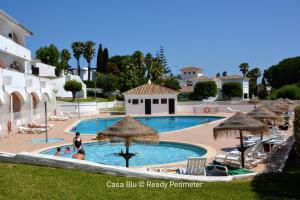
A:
(77, 48)
(155, 69)
(138, 60)
(65, 56)
(88, 54)
(244, 68)
(253, 75)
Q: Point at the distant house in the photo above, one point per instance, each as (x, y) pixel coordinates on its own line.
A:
(151, 99)
(84, 73)
(192, 75)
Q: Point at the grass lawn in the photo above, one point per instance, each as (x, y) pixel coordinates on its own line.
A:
(33, 182)
(88, 99)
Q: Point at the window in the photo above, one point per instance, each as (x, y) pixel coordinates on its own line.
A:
(189, 72)
(142, 100)
(184, 72)
(135, 101)
(163, 101)
(245, 95)
(155, 101)
(129, 100)
(194, 72)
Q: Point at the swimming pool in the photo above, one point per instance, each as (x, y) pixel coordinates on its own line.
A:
(147, 154)
(161, 124)
(43, 140)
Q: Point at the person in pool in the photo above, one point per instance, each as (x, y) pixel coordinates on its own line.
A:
(80, 155)
(77, 142)
(67, 150)
(58, 151)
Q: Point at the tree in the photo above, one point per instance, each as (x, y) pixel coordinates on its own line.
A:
(77, 48)
(253, 75)
(224, 74)
(112, 68)
(232, 89)
(48, 55)
(105, 58)
(155, 69)
(287, 91)
(100, 59)
(88, 54)
(205, 89)
(138, 61)
(244, 67)
(65, 56)
(218, 75)
(163, 60)
(107, 82)
(286, 72)
(169, 82)
(73, 86)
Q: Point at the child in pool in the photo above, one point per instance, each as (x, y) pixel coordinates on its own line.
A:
(67, 150)
(58, 152)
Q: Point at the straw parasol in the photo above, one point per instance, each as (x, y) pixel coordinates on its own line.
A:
(272, 108)
(262, 114)
(238, 124)
(288, 101)
(254, 101)
(129, 130)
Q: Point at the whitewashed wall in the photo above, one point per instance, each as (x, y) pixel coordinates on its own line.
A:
(155, 108)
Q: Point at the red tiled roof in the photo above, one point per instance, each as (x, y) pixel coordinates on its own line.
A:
(187, 89)
(150, 89)
(191, 68)
(199, 78)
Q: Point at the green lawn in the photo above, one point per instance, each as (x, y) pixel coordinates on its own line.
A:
(88, 99)
(33, 182)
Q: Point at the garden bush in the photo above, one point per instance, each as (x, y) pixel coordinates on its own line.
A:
(287, 91)
(232, 89)
(205, 89)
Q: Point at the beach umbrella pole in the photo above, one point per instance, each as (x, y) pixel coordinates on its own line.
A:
(242, 149)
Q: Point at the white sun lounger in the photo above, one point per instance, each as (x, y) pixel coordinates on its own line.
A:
(232, 110)
(66, 114)
(25, 130)
(42, 124)
(58, 118)
(196, 166)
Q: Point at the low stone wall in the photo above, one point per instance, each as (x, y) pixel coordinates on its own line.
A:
(92, 167)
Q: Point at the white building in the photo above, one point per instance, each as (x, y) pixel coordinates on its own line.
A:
(59, 82)
(150, 99)
(25, 83)
(84, 73)
(189, 80)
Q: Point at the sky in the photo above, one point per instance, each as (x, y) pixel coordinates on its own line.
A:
(215, 35)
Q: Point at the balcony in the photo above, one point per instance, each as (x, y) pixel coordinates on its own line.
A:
(12, 48)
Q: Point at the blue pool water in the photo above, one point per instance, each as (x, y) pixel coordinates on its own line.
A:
(147, 154)
(161, 124)
(43, 140)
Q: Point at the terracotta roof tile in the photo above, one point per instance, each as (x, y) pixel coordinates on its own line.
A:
(191, 68)
(150, 89)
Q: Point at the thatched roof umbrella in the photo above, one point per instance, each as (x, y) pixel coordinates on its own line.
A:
(254, 101)
(288, 101)
(262, 114)
(129, 130)
(238, 124)
(281, 104)
(272, 108)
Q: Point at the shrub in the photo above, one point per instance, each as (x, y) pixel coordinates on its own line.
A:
(232, 89)
(205, 89)
(89, 84)
(297, 131)
(73, 86)
(107, 82)
(287, 91)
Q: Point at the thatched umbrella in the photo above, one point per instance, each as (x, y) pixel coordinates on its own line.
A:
(281, 104)
(254, 101)
(272, 108)
(262, 114)
(238, 124)
(288, 101)
(129, 130)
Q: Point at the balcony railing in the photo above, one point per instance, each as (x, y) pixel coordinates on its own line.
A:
(11, 47)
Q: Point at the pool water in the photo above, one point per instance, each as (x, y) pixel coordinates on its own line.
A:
(147, 154)
(43, 140)
(161, 124)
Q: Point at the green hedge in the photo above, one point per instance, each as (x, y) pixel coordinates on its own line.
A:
(287, 91)
(297, 131)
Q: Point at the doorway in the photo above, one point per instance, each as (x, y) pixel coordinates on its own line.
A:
(171, 106)
(148, 106)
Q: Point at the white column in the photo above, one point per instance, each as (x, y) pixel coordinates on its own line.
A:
(12, 111)
(31, 107)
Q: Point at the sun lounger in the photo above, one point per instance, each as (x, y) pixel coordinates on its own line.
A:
(66, 114)
(58, 118)
(196, 166)
(217, 170)
(42, 124)
(232, 110)
(25, 130)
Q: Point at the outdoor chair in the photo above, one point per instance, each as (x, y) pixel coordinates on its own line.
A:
(58, 118)
(232, 110)
(25, 130)
(196, 166)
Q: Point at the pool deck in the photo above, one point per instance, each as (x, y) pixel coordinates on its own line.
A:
(201, 135)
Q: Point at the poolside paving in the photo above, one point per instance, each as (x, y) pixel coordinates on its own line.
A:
(201, 135)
